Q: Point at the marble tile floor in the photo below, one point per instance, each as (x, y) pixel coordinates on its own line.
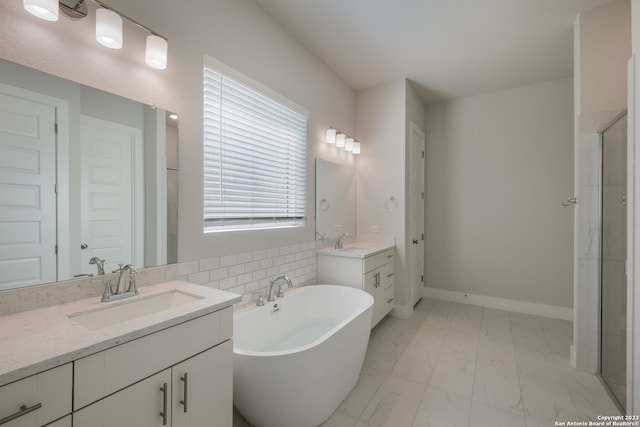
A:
(454, 364)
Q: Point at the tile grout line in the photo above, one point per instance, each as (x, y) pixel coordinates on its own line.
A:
(520, 380)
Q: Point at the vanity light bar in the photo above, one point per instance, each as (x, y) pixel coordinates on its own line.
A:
(108, 25)
(342, 140)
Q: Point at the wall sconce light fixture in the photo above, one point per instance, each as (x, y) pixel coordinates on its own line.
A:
(43, 9)
(342, 140)
(108, 25)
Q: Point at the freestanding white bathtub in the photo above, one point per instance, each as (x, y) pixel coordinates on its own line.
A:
(295, 359)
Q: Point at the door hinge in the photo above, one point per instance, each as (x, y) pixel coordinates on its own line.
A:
(422, 278)
(423, 195)
(55, 128)
(423, 154)
(55, 188)
(56, 249)
(422, 236)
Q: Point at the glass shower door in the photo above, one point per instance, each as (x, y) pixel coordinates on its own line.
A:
(613, 309)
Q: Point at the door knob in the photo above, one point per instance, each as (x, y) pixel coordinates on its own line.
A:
(84, 246)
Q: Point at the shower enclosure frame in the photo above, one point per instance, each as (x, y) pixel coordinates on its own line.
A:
(614, 397)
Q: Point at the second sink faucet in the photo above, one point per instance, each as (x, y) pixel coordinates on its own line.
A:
(339, 240)
(272, 287)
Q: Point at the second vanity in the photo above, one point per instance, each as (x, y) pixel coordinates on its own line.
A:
(168, 363)
(366, 266)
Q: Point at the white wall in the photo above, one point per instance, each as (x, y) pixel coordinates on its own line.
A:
(237, 32)
(602, 47)
(383, 116)
(380, 123)
(498, 167)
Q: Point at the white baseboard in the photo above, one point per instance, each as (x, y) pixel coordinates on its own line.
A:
(402, 311)
(572, 356)
(545, 310)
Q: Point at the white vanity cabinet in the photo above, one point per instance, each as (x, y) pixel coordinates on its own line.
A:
(180, 376)
(373, 273)
(192, 393)
(37, 400)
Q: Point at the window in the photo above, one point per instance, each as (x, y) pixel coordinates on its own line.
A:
(255, 154)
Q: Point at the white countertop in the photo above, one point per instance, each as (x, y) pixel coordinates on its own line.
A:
(357, 249)
(37, 340)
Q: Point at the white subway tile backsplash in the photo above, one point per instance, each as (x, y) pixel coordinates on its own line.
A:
(198, 278)
(209, 263)
(228, 260)
(245, 257)
(236, 270)
(219, 273)
(228, 283)
(250, 272)
(185, 268)
(245, 278)
(250, 267)
(258, 255)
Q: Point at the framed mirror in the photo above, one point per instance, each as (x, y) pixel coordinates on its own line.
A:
(84, 174)
(335, 199)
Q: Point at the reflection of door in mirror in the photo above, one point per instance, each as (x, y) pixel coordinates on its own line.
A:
(27, 192)
(111, 177)
(60, 181)
(172, 188)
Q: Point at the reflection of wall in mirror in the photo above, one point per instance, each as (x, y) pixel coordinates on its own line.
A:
(335, 199)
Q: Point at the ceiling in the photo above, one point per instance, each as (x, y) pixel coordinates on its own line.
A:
(447, 48)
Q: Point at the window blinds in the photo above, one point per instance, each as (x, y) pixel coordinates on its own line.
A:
(255, 156)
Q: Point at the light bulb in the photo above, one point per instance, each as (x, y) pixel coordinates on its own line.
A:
(156, 53)
(109, 28)
(331, 136)
(348, 144)
(43, 9)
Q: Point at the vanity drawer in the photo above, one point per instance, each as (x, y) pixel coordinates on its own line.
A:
(389, 295)
(111, 370)
(372, 262)
(49, 391)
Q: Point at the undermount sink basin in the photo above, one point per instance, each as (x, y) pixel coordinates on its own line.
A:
(132, 309)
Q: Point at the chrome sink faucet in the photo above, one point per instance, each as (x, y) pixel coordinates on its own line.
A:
(127, 274)
(339, 240)
(280, 292)
(98, 263)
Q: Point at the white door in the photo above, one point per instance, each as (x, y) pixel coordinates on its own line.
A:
(111, 200)
(417, 213)
(27, 192)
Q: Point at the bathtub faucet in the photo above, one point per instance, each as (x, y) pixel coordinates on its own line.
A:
(273, 286)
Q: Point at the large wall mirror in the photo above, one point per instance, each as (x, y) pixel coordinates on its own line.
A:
(335, 199)
(83, 174)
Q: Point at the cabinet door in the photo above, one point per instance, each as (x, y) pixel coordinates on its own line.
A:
(144, 404)
(203, 389)
(373, 285)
